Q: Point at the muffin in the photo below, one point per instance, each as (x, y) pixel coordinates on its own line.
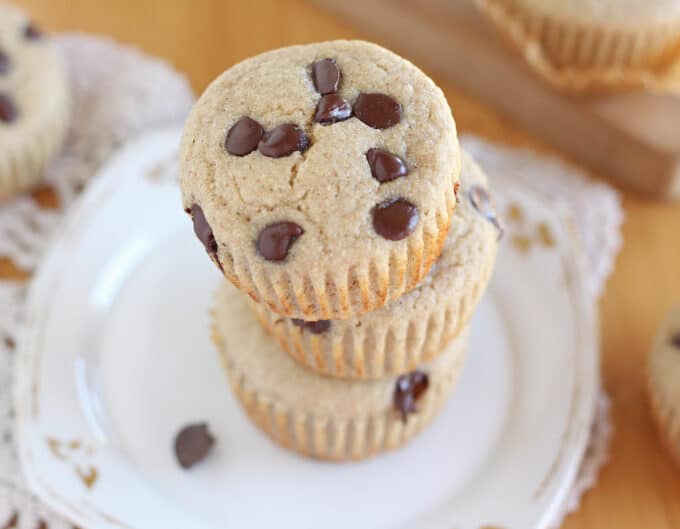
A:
(587, 45)
(663, 377)
(35, 102)
(321, 179)
(322, 417)
(415, 328)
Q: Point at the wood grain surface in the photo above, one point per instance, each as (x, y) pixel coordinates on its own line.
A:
(639, 488)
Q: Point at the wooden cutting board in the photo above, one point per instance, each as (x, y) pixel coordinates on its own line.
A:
(634, 138)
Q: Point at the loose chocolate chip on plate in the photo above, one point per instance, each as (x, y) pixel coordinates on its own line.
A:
(395, 219)
(332, 108)
(675, 340)
(326, 76)
(8, 110)
(315, 327)
(275, 240)
(243, 137)
(408, 390)
(203, 230)
(192, 444)
(379, 111)
(284, 140)
(5, 63)
(385, 166)
(32, 32)
(483, 203)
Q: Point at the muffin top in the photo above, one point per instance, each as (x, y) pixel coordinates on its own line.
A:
(626, 13)
(315, 157)
(33, 83)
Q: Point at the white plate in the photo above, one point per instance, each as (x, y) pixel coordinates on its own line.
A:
(115, 357)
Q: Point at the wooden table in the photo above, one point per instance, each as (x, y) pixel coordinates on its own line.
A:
(639, 488)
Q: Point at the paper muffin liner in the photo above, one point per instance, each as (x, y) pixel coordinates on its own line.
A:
(413, 329)
(24, 160)
(343, 293)
(588, 59)
(320, 435)
(370, 350)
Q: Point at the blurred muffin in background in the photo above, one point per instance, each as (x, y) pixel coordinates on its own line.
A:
(35, 102)
(585, 45)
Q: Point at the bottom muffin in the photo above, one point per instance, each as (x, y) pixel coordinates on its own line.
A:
(323, 417)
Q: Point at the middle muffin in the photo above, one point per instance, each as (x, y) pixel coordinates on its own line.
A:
(416, 327)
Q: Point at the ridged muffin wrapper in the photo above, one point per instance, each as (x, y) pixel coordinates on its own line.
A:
(331, 438)
(584, 59)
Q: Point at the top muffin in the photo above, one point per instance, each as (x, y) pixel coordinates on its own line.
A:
(321, 178)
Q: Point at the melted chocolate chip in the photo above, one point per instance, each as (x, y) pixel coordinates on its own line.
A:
(32, 32)
(408, 390)
(395, 219)
(275, 240)
(332, 108)
(675, 340)
(5, 63)
(243, 137)
(483, 203)
(8, 110)
(379, 111)
(192, 444)
(385, 166)
(315, 327)
(203, 230)
(326, 76)
(284, 140)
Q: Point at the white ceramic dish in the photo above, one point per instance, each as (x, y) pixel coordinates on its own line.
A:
(116, 356)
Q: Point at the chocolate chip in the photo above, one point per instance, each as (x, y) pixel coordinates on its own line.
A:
(32, 32)
(9, 342)
(8, 110)
(192, 444)
(395, 219)
(275, 240)
(203, 230)
(284, 140)
(243, 136)
(385, 166)
(326, 76)
(5, 63)
(379, 111)
(315, 327)
(332, 108)
(408, 390)
(483, 203)
(675, 340)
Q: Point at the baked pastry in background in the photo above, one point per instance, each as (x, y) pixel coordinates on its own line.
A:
(591, 45)
(35, 102)
(664, 382)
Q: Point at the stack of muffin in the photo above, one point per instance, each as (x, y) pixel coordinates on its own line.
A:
(326, 183)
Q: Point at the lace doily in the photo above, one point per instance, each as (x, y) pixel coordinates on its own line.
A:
(119, 92)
